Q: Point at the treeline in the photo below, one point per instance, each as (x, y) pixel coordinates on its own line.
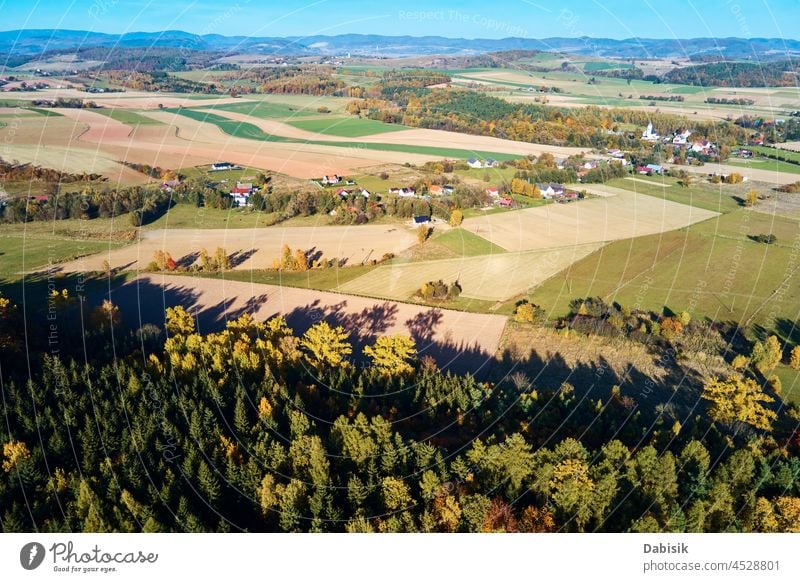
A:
(729, 101)
(157, 81)
(670, 98)
(16, 172)
(731, 74)
(66, 102)
(147, 59)
(259, 428)
(143, 203)
(294, 81)
(480, 114)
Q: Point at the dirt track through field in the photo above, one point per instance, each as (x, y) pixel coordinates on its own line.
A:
(254, 248)
(619, 215)
(456, 340)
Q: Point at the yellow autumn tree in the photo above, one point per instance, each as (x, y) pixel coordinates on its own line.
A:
(456, 217)
(393, 355)
(739, 399)
(326, 346)
(794, 358)
(179, 321)
(788, 514)
(14, 452)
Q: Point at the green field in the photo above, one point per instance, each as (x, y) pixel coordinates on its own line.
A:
(346, 126)
(762, 163)
(127, 116)
(466, 244)
(711, 269)
(716, 197)
(25, 253)
(604, 66)
(45, 112)
(190, 216)
(787, 154)
(319, 279)
(250, 131)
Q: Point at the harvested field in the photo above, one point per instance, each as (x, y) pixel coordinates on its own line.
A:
(457, 340)
(488, 277)
(255, 248)
(620, 214)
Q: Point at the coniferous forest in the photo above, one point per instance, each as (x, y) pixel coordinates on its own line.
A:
(258, 428)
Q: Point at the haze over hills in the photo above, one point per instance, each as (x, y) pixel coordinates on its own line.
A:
(36, 42)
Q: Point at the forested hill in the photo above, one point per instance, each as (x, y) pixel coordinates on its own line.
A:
(737, 74)
(30, 42)
(256, 428)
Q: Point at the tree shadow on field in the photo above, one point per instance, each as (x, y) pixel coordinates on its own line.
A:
(145, 300)
(187, 261)
(240, 257)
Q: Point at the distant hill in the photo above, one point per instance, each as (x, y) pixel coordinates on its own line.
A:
(36, 42)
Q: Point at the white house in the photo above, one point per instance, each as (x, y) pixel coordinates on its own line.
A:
(331, 179)
(403, 192)
(490, 163)
(473, 163)
(703, 147)
(220, 166)
(680, 138)
(550, 190)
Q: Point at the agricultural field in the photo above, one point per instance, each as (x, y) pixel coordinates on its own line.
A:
(490, 277)
(255, 248)
(712, 269)
(127, 116)
(618, 92)
(624, 214)
(29, 247)
(301, 307)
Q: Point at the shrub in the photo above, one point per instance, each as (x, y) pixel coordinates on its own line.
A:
(739, 363)
(527, 312)
(794, 358)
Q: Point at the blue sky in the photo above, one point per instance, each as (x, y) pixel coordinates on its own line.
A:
(464, 18)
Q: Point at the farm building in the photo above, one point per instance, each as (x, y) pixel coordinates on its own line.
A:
(331, 179)
(222, 166)
(241, 193)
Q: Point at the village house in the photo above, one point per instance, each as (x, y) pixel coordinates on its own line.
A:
(703, 147)
(403, 192)
(241, 193)
(221, 166)
(493, 192)
(473, 163)
(681, 137)
(490, 163)
(654, 169)
(505, 202)
(550, 190)
(448, 189)
(331, 179)
(435, 190)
